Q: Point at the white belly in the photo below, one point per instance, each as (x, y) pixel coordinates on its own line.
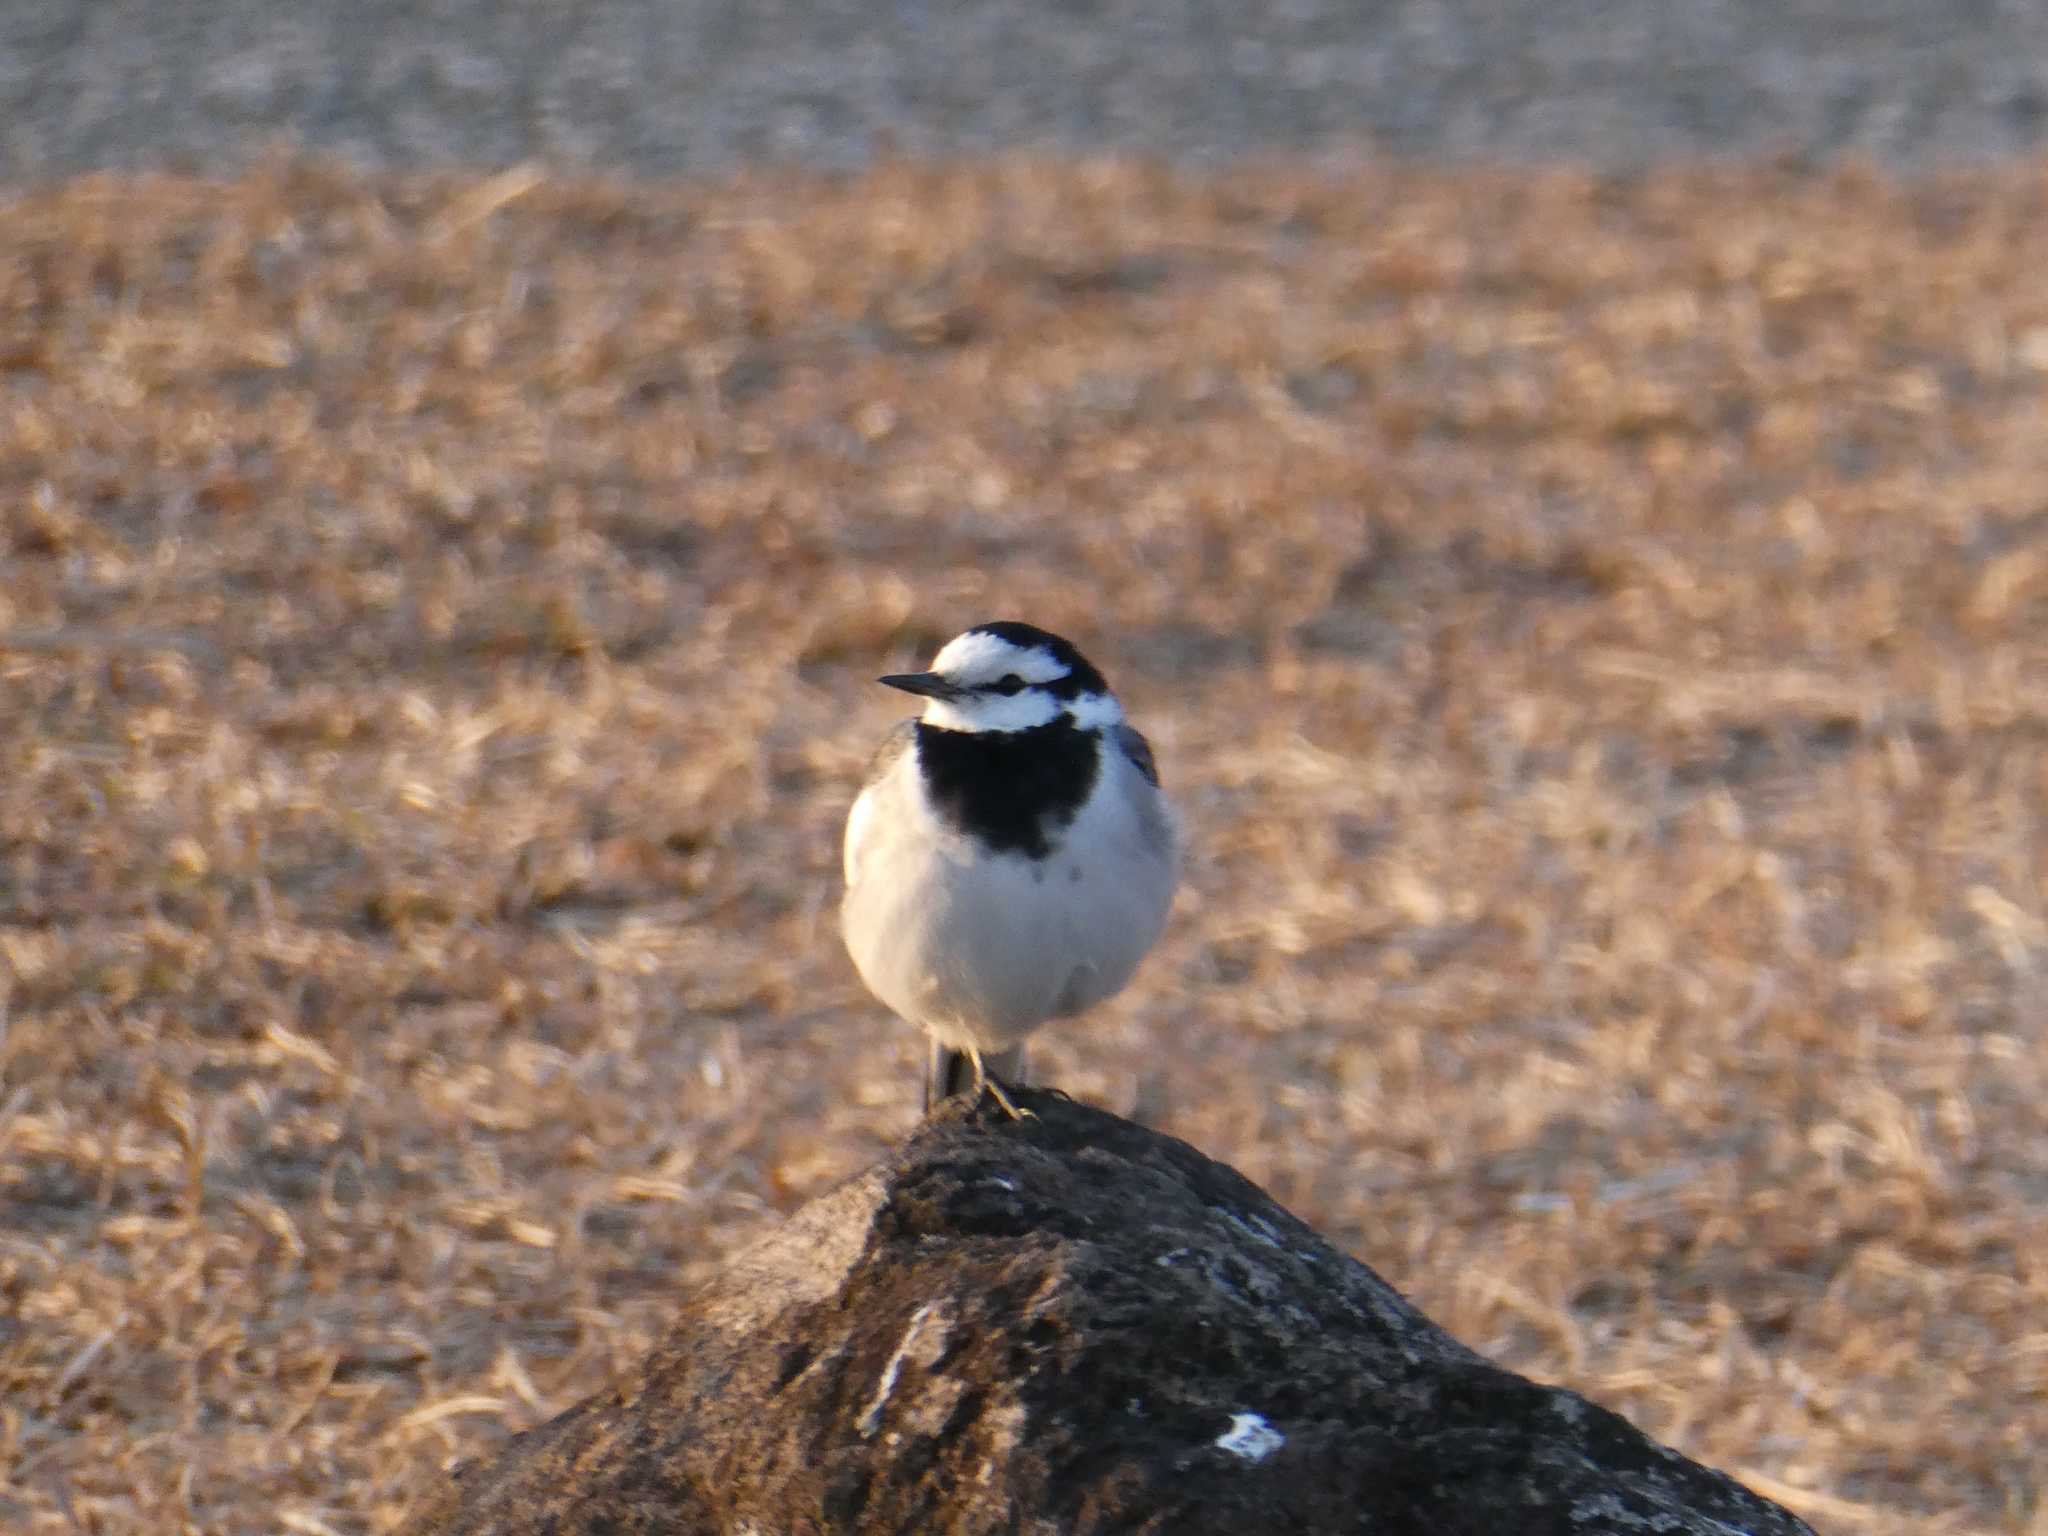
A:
(980, 949)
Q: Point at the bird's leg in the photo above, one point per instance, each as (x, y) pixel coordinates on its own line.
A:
(983, 1083)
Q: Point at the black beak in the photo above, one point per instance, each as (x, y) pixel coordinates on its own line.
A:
(926, 685)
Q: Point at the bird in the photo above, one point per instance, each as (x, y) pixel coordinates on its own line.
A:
(1010, 857)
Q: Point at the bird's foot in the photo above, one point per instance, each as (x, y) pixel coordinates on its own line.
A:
(994, 1090)
(984, 1084)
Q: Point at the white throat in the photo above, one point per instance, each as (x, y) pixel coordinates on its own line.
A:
(1021, 711)
(993, 712)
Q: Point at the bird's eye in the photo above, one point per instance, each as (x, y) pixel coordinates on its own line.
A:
(1008, 684)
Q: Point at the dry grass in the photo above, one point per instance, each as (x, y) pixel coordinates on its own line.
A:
(1598, 634)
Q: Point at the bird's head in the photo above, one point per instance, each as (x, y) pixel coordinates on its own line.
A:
(1008, 676)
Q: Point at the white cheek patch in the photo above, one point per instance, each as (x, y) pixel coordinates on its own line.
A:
(973, 658)
(993, 712)
(1095, 711)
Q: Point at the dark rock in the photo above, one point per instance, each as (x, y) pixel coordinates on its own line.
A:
(1073, 1324)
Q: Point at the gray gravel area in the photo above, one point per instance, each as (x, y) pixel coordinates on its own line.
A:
(668, 86)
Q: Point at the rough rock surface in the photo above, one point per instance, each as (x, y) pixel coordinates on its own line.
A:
(1073, 1324)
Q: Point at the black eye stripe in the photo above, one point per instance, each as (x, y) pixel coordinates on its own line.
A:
(1080, 677)
(1008, 684)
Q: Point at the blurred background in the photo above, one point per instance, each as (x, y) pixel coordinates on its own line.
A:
(664, 88)
(1561, 486)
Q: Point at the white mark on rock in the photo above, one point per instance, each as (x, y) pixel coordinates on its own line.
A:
(913, 1346)
(1258, 1229)
(1250, 1437)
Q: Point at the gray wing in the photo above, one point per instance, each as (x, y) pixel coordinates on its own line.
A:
(1157, 828)
(1139, 751)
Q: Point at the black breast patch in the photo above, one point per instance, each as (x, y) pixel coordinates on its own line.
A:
(1011, 789)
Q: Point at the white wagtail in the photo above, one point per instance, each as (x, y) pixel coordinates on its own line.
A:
(1010, 859)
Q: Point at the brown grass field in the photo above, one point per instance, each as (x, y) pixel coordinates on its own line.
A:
(1596, 631)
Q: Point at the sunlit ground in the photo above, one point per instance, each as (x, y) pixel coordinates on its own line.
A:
(1597, 634)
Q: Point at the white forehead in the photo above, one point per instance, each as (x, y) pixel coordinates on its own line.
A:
(976, 657)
